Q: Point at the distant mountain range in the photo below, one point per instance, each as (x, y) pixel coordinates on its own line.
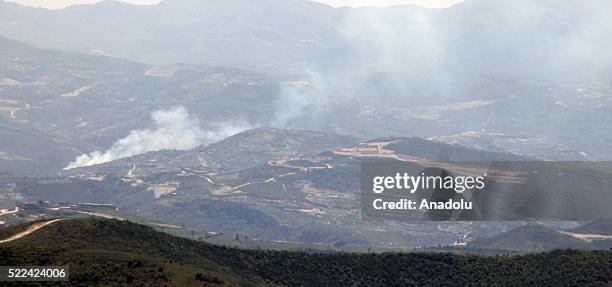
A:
(76, 104)
(524, 39)
(529, 77)
(268, 35)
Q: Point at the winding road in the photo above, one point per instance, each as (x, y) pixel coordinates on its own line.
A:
(29, 230)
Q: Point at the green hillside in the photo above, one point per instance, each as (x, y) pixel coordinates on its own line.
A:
(109, 252)
(601, 226)
(530, 238)
(55, 105)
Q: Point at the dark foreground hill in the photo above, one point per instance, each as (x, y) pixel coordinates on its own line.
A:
(101, 252)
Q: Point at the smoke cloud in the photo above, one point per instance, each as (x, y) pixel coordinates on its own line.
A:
(301, 101)
(174, 129)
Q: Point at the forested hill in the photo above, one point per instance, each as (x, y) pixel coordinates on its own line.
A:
(119, 252)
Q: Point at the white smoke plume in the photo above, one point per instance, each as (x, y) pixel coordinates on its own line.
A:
(174, 129)
(301, 101)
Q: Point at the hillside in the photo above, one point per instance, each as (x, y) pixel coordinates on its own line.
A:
(430, 69)
(447, 152)
(129, 31)
(257, 147)
(268, 184)
(244, 150)
(320, 33)
(297, 186)
(529, 238)
(116, 252)
(601, 226)
(56, 105)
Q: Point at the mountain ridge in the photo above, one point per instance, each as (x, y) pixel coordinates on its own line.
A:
(530, 238)
(142, 256)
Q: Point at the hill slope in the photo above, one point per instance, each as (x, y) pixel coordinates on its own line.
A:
(267, 184)
(124, 30)
(359, 78)
(55, 105)
(318, 33)
(601, 226)
(114, 252)
(272, 184)
(530, 237)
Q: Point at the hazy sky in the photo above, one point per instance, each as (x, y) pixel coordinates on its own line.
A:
(58, 4)
(427, 3)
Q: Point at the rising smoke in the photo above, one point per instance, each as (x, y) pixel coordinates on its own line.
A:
(301, 101)
(174, 129)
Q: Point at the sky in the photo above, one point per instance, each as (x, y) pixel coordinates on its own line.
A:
(357, 3)
(58, 4)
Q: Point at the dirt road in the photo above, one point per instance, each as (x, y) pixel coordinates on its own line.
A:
(30, 230)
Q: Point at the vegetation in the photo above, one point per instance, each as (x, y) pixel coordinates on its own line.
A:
(110, 252)
(600, 226)
(8, 231)
(530, 238)
(440, 151)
